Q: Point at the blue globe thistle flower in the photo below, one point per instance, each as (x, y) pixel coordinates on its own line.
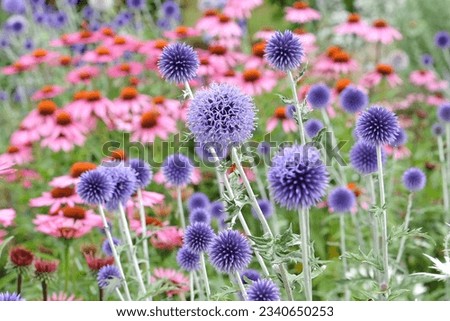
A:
(291, 111)
(363, 158)
(353, 99)
(95, 187)
(217, 210)
(221, 114)
(341, 199)
(178, 63)
(58, 20)
(109, 277)
(136, 4)
(4, 42)
(14, 6)
(414, 179)
(377, 126)
(266, 208)
(143, 172)
(313, 127)
(170, 9)
(16, 24)
(297, 177)
(400, 138)
(251, 275)
(444, 112)
(264, 148)
(199, 215)
(427, 60)
(188, 260)
(437, 129)
(442, 39)
(177, 169)
(40, 17)
(230, 252)
(263, 290)
(284, 51)
(198, 200)
(198, 237)
(124, 182)
(6, 296)
(106, 247)
(318, 96)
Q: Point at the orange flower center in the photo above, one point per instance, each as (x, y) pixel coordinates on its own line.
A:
(280, 112)
(108, 32)
(300, 5)
(341, 57)
(158, 100)
(40, 53)
(118, 155)
(85, 34)
(149, 119)
(65, 60)
(134, 81)
(81, 167)
(125, 67)
(129, 93)
(217, 50)
(224, 18)
(153, 221)
(75, 212)
(331, 51)
(341, 84)
(385, 69)
(46, 107)
(63, 118)
(353, 18)
(251, 75)
(47, 89)
(204, 61)
(102, 51)
(160, 44)
(118, 40)
(85, 75)
(13, 149)
(299, 31)
(60, 192)
(80, 95)
(230, 73)
(380, 23)
(19, 66)
(181, 30)
(210, 13)
(93, 95)
(259, 48)
(354, 188)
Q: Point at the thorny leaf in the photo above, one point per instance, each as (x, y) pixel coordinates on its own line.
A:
(361, 257)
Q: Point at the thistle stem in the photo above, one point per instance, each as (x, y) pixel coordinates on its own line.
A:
(144, 235)
(191, 285)
(119, 295)
(189, 90)
(180, 208)
(384, 236)
(374, 225)
(407, 220)
(301, 130)
(261, 188)
(447, 130)
(344, 258)
(114, 251)
(444, 178)
(304, 227)
(284, 277)
(241, 285)
(205, 276)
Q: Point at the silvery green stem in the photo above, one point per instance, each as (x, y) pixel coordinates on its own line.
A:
(189, 90)
(301, 130)
(197, 285)
(241, 285)
(114, 251)
(344, 259)
(180, 207)
(284, 277)
(205, 276)
(119, 294)
(259, 182)
(447, 130)
(144, 234)
(241, 218)
(407, 219)
(129, 244)
(384, 236)
(304, 227)
(191, 285)
(373, 220)
(444, 177)
(276, 225)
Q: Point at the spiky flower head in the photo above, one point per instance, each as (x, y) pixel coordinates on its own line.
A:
(6, 296)
(341, 199)
(177, 169)
(414, 179)
(178, 63)
(297, 177)
(198, 237)
(263, 290)
(251, 275)
(44, 270)
(198, 200)
(188, 260)
(124, 183)
(221, 114)
(353, 99)
(230, 252)
(95, 187)
(143, 172)
(199, 215)
(106, 247)
(400, 138)
(217, 210)
(20, 257)
(109, 277)
(284, 51)
(313, 127)
(377, 126)
(444, 112)
(318, 96)
(363, 158)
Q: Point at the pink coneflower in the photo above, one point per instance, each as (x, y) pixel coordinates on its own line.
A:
(125, 69)
(73, 178)
(422, 77)
(82, 37)
(83, 74)
(342, 63)
(221, 26)
(254, 81)
(167, 238)
(307, 39)
(300, 12)
(239, 9)
(6, 168)
(436, 99)
(24, 176)
(175, 278)
(57, 198)
(209, 17)
(171, 106)
(41, 119)
(264, 34)
(279, 115)
(437, 85)
(149, 199)
(17, 68)
(48, 92)
(256, 60)
(380, 31)
(135, 222)
(97, 105)
(17, 154)
(38, 57)
(7, 217)
(382, 71)
(353, 26)
(400, 152)
(106, 33)
(101, 55)
(120, 44)
(61, 296)
(209, 68)
(80, 111)
(131, 101)
(181, 32)
(152, 50)
(220, 55)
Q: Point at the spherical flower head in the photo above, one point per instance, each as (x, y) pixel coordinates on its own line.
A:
(16, 24)
(95, 187)
(341, 200)
(177, 169)
(264, 148)
(6, 296)
(170, 9)
(136, 4)
(44, 270)
(437, 129)
(199, 215)
(318, 96)
(221, 114)
(444, 112)
(124, 183)
(284, 51)
(263, 290)
(143, 172)
(442, 39)
(14, 6)
(198, 237)
(217, 210)
(230, 252)
(313, 127)
(106, 247)
(291, 111)
(188, 260)
(178, 63)
(414, 179)
(266, 208)
(400, 138)
(20, 257)
(297, 177)
(363, 158)
(377, 126)
(251, 275)
(109, 277)
(198, 200)
(353, 99)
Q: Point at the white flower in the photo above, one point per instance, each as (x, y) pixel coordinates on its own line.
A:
(101, 5)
